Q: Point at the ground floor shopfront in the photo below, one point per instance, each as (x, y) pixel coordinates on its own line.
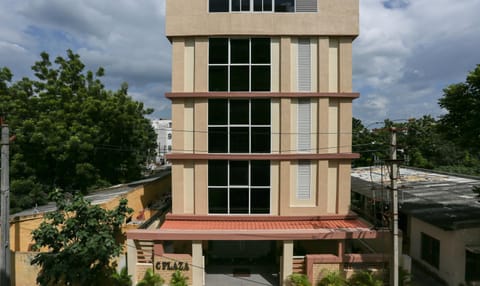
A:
(252, 250)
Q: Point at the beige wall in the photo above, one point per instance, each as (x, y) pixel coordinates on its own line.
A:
(186, 18)
(452, 249)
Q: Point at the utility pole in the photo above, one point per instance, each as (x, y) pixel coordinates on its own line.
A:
(394, 275)
(5, 262)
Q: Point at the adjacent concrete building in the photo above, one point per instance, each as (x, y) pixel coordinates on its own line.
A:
(163, 129)
(439, 217)
(262, 121)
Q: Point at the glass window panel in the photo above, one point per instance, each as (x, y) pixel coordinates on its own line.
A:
(245, 5)
(217, 111)
(217, 201)
(260, 111)
(257, 5)
(218, 140)
(218, 51)
(239, 78)
(260, 140)
(284, 5)
(218, 78)
(218, 173)
(218, 5)
(240, 51)
(260, 78)
(239, 112)
(260, 201)
(260, 50)
(267, 5)
(238, 173)
(239, 140)
(260, 173)
(236, 5)
(239, 201)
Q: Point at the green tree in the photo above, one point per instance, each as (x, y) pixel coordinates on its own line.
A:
(151, 279)
(80, 241)
(462, 103)
(365, 278)
(178, 279)
(332, 278)
(72, 133)
(296, 279)
(122, 278)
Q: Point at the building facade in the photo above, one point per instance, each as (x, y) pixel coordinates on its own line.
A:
(262, 121)
(163, 129)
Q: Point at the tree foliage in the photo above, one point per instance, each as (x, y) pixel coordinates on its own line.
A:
(71, 133)
(81, 241)
(122, 278)
(462, 102)
(178, 279)
(151, 279)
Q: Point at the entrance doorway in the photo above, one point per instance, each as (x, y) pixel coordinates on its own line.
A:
(242, 263)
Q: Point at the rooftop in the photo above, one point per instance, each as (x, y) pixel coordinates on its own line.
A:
(97, 197)
(440, 199)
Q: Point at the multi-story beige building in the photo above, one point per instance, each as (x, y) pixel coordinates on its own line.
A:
(262, 121)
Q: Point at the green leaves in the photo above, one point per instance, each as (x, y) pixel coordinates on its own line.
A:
(72, 133)
(80, 239)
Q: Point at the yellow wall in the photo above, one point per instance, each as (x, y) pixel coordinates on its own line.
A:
(138, 200)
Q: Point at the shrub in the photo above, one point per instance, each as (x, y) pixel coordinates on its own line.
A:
(296, 279)
(151, 279)
(332, 278)
(365, 278)
(178, 279)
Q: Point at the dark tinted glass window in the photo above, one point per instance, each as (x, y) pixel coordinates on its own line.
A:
(239, 140)
(430, 250)
(260, 111)
(218, 51)
(260, 50)
(284, 5)
(236, 5)
(472, 266)
(260, 139)
(240, 51)
(217, 139)
(239, 78)
(260, 201)
(260, 173)
(257, 5)
(267, 5)
(217, 111)
(245, 5)
(218, 78)
(238, 173)
(218, 5)
(217, 173)
(260, 78)
(238, 201)
(239, 112)
(217, 201)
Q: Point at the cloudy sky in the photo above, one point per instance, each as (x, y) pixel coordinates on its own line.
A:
(407, 51)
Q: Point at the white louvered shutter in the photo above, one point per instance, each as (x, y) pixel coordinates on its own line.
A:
(304, 70)
(303, 180)
(306, 6)
(303, 126)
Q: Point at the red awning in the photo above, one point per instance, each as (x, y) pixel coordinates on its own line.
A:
(256, 228)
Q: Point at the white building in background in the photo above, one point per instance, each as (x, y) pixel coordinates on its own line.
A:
(163, 129)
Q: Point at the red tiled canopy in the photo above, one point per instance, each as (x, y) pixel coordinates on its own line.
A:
(181, 227)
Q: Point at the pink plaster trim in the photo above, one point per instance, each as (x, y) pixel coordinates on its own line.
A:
(172, 95)
(276, 157)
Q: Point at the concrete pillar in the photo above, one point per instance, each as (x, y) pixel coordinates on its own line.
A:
(197, 263)
(132, 260)
(287, 263)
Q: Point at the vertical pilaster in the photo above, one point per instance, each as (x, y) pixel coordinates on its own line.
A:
(132, 260)
(287, 263)
(197, 261)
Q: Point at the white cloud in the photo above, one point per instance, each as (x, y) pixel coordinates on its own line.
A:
(408, 51)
